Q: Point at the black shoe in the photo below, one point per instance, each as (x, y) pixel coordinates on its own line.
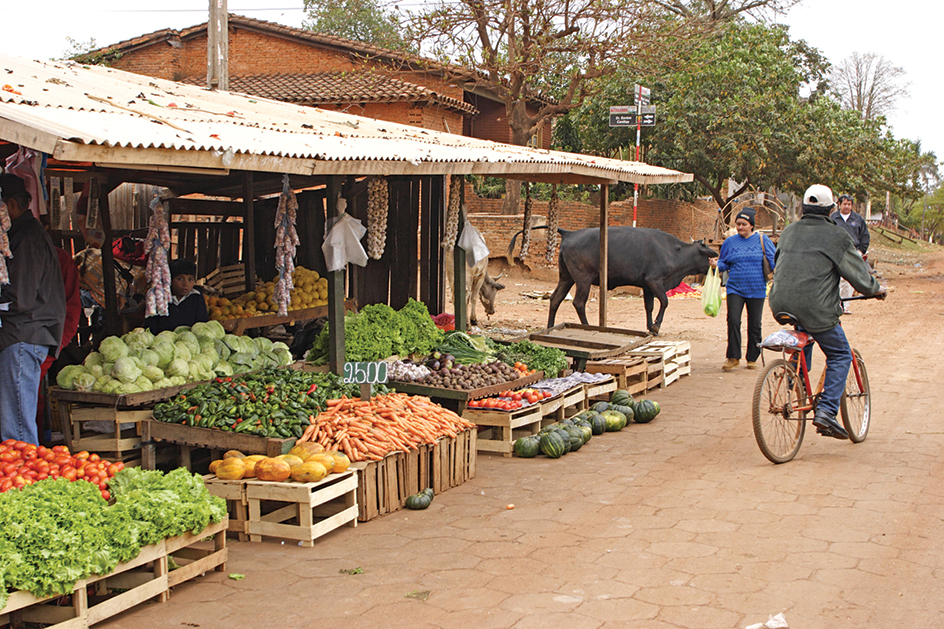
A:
(829, 427)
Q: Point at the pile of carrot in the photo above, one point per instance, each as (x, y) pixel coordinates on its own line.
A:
(370, 430)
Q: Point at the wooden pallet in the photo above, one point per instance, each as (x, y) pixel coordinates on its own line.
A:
(631, 373)
(383, 486)
(297, 511)
(145, 577)
(501, 428)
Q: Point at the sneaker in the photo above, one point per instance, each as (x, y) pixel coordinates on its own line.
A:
(829, 427)
(752, 364)
(730, 364)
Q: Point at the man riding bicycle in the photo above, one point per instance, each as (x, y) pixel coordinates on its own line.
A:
(813, 253)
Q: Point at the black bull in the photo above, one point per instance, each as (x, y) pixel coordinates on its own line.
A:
(648, 258)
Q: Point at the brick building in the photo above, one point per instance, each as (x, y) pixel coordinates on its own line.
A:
(295, 65)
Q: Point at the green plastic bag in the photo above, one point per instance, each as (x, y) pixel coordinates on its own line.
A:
(711, 293)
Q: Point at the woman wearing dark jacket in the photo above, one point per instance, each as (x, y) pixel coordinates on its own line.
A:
(742, 257)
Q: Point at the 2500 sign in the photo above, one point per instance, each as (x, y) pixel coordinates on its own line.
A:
(365, 373)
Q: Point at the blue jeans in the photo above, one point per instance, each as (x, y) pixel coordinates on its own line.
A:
(838, 360)
(20, 365)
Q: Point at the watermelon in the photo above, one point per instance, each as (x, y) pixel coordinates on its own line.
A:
(552, 444)
(527, 447)
(565, 437)
(587, 432)
(600, 406)
(576, 439)
(622, 397)
(645, 411)
(598, 424)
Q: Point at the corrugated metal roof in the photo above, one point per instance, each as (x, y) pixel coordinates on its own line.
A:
(92, 113)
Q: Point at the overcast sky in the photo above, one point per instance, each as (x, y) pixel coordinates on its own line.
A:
(905, 32)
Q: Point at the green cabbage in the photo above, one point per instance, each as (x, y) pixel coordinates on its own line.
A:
(143, 383)
(107, 367)
(125, 370)
(138, 338)
(262, 343)
(247, 346)
(66, 375)
(83, 381)
(93, 359)
(214, 357)
(154, 374)
(165, 353)
(232, 342)
(125, 388)
(285, 357)
(95, 370)
(178, 380)
(182, 351)
(209, 329)
(101, 382)
(146, 356)
(163, 383)
(112, 348)
(279, 345)
(190, 340)
(166, 336)
(223, 368)
(137, 362)
(178, 367)
(181, 328)
(112, 386)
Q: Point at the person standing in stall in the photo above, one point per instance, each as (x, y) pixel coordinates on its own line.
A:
(32, 323)
(187, 305)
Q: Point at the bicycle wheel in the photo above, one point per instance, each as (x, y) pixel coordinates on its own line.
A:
(855, 407)
(778, 428)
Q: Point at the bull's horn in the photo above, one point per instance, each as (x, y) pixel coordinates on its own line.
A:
(499, 276)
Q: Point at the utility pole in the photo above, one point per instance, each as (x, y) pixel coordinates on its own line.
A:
(218, 45)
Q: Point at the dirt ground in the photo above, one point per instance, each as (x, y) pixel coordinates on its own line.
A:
(677, 523)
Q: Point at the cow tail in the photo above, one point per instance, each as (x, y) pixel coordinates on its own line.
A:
(509, 255)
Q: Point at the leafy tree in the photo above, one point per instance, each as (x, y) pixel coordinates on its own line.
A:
(542, 57)
(869, 84)
(724, 10)
(365, 21)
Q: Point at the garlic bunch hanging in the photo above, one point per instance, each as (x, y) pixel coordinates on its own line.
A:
(286, 239)
(526, 234)
(378, 204)
(4, 243)
(452, 214)
(157, 271)
(553, 220)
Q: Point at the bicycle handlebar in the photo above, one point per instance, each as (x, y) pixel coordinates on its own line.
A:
(881, 295)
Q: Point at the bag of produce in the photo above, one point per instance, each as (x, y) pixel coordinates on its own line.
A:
(711, 293)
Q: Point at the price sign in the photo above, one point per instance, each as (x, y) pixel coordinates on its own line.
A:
(365, 373)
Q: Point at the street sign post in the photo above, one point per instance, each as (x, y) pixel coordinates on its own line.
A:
(625, 116)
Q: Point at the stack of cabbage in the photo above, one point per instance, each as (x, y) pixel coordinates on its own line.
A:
(140, 361)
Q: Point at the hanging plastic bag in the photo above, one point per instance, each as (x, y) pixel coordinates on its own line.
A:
(471, 240)
(342, 243)
(711, 293)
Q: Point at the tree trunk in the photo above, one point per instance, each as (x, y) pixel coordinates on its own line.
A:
(512, 201)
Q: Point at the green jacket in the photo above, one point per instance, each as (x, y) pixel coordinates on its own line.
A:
(813, 253)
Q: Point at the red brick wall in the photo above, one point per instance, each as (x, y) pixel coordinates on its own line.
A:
(679, 218)
(160, 60)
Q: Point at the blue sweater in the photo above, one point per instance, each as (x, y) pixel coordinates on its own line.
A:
(741, 258)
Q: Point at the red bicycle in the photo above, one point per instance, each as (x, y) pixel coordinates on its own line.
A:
(783, 395)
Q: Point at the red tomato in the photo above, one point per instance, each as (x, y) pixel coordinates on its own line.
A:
(69, 473)
(8, 456)
(94, 457)
(9, 469)
(20, 445)
(81, 455)
(5, 484)
(106, 495)
(8, 442)
(516, 396)
(19, 481)
(118, 465)
(42, 476)
(60, 450)
(103, 485)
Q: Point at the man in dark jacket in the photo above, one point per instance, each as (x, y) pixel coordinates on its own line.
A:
(857, 228)
(812, 254)
(32, 324)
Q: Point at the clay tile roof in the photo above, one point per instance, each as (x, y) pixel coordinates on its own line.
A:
(338, 88)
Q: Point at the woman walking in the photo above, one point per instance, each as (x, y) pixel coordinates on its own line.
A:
(742, 256)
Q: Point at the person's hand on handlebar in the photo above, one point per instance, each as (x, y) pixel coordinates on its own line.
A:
(882, 293)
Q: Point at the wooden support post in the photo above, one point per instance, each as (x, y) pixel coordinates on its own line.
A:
(249, 233)
(112, 321)
(458, 261)
(335, 292)
(604, 248)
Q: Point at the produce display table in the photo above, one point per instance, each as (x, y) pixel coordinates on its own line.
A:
(217, 441)
(600, 389)
(145, 577)
(383, 486)
(297, 511)
(672, 358)
(239, 325)
(461, 397)
(501, 428)
(631, 373)
(587, 342)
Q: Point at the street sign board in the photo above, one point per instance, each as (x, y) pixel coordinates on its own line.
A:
(628, 118)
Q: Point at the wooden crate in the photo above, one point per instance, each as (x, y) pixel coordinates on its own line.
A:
(297, 511)
(601, 389)
(631, 372)
(186, 438)
(234, 493)
(501, 428)
(668, 360)
(383, 486)
(119, 445)
(145, 577)
(229, 281)
(574, 401)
